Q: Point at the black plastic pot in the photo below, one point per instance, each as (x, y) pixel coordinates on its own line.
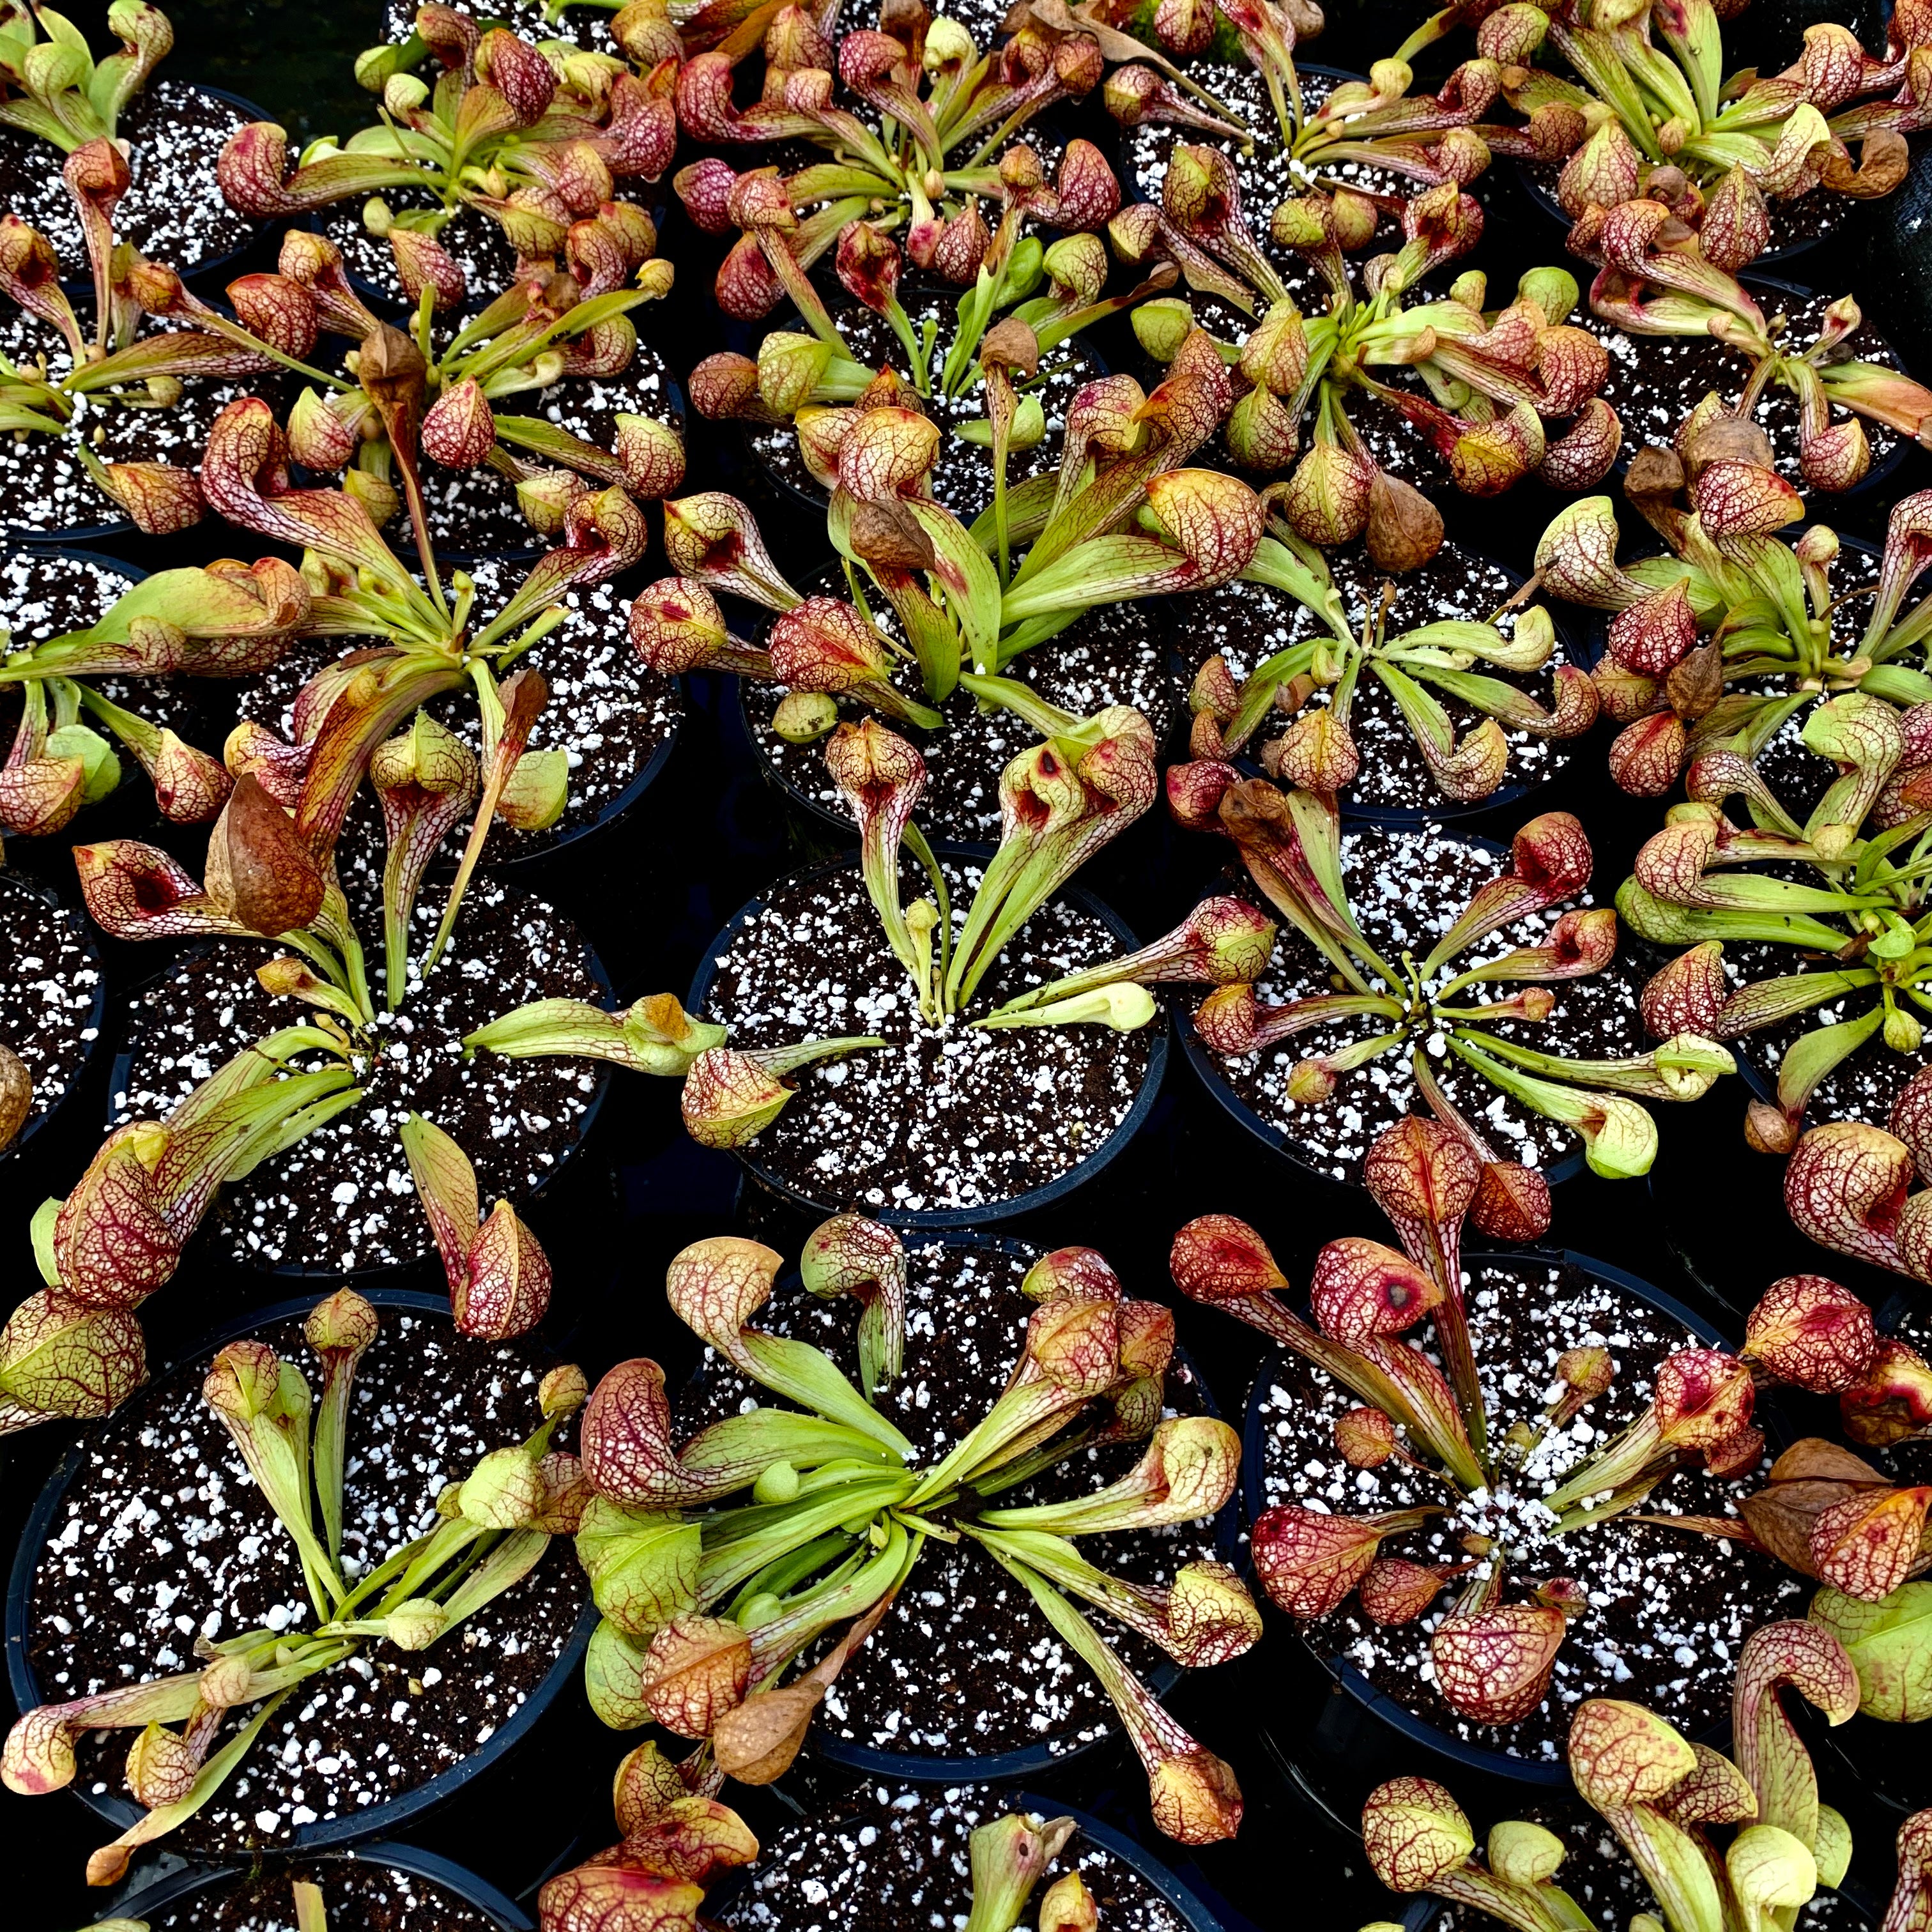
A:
(1191, 1913)
(120, 1811)
(217, 265)
(207, 1882)
(1365, 1732)
(362, 1278)
(11, 882)
(933, 1220)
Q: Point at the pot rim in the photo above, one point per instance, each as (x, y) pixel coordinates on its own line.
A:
(933, 1220)
(121, 1812)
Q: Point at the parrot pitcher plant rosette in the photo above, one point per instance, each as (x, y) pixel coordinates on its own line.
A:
(493, 164)
(1000, 323)
(1657, 277)
(1722, 641)
(1121, 518)
(1833, 123)
(1410, 671)
(229, 620)
(1493, 394)
(126, 387)
(51, 86)
(1661, 1796)
(1420, 1011)
(197, 1727)
(1523, 1493)
(1843, 889)
(678, 1837)
(944, 112)
(709, 1597)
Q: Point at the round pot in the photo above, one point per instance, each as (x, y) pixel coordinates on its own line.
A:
(201, 1887)
(1369, 1733)
(1093, 663)
(1032, 1760)
(1771, 293)
(158, 221)
(191, 958)
(756, 1160)
(119, 1811)
(82, 1006)
(1091, 1837)
(1560, 1153)
(1390, 766)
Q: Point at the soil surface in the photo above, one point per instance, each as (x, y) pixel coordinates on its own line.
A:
(357, 1898)
(471, 239)
(1668, 1610)
(162, 1539)
(341, 1199)
(967, 1666)
(945, 1116)
(892, 1861)
(47, 991)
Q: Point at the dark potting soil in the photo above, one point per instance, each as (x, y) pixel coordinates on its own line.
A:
(357, 1897)
(1115, 654)
(1407, 887)
(966, 1665)
(580, 26)
(475, 242)
(46, 490)
(1248, 623)
(608, 713)
(1655, 381)
(473, 513)
(1795, 221)
(962, 476)
(162, 1539)
(1267, 175)
(173, 212)
(1600, 1876)
(48, 986)
(893, 1860)
(341, 1198)
(944, 1117)
(1668, 1609)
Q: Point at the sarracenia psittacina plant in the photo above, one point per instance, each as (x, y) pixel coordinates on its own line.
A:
(1654, 95)
(1456, 657)
(445, 397)
(1060, 803)
(1418, 1839)
(1290, 843)
(117, 365)
(1664, 1796)
(1845, 890)
(1495, 393)
(1846, 1186)
(229, 620)
(1720, 640)
(533, 138)
(196, 1727)
(52, 86)
(1492, 1659)
(1048, 294)
(1654, 278)
(944, 113)
(1122, 518)
(74, 1348)
(710, 1597)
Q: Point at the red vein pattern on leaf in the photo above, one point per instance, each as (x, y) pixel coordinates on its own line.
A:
(1495, 1666)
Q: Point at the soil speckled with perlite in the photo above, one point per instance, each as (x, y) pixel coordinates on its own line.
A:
(1407, 887)
(340, 1199)
(965, 1665)
(357, 1896)
(163, 1541)
(893, 1860)
(1248, 623)
(47, 991)
(943, 1116)
(1666, 1610)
